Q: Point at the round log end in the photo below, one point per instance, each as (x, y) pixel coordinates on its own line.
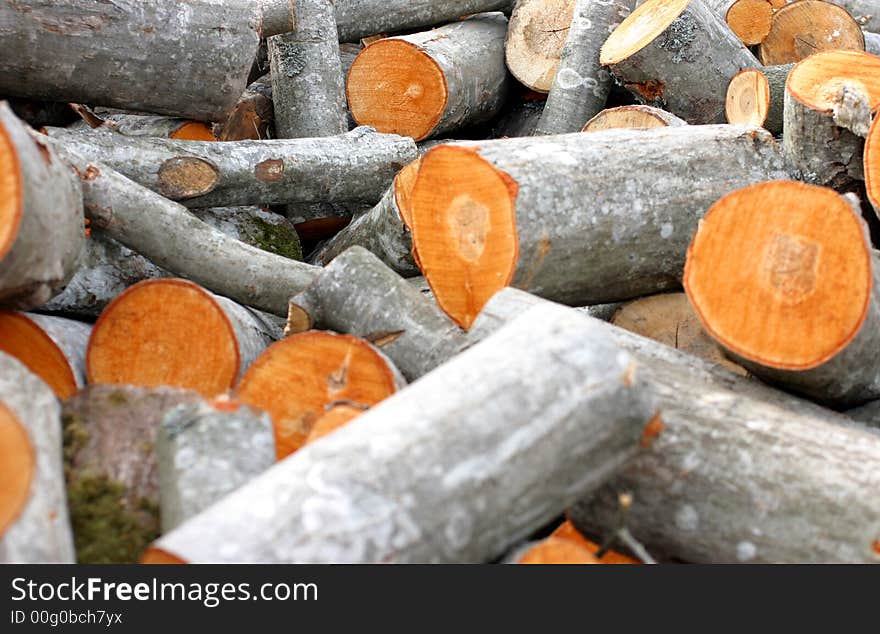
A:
(296, 378)
(464, 229)
(186, 177)
(748, 98)
(799, 254)
(397, 88)
(193, 131)
(164, 332)
(750, 20)
(155, 555)
(629, 117)
(872, 164)
(17, 467)
(26, 341)
(337, 416)
(11, 188)
(640, 28)
(807, 27)
(816, 81)
(556, 550)
(536, 36)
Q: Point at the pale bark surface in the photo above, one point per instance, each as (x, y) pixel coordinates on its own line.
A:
(776, 78)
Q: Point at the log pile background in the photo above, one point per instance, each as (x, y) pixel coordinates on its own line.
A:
(484, 281)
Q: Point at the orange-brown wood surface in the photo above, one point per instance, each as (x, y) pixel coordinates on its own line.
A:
(27, 342)
(17, 467)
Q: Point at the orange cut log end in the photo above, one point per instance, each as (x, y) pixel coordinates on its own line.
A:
(397, 88)
(11, 190)
(807, 27)
(626, 117)
(750, 20)
(155, 555)
(780, 273)
(464, 229)
(26, 341)
(296, 378)
(567, 530)
(194, 131)
(640, 28)
(748, 98)
(872, 164)
(18, 465)
(164, 332)
(555, 550)
(337, 417)
(817, 80)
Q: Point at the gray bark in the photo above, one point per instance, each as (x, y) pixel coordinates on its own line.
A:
(357, 294)
(257, 227)
(776, 77)
(167, 232)
(137, 124)
(866, 12)
(41, 533)
(183, 59)
(581, 86)
(46, 231)
(356, 166)
(872, 40)
(204, 453)
(686, 68)
(520, 117)
(307, 87)
(740, 472)
(253, 332)
(71, 337)
(457, 467)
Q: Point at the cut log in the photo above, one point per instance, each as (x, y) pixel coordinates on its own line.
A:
(700, 487)
(257, 227)
(153, 126)
(677, 55)
(384, 230)
(112, 475)
(671, 320)
(580, 86)
(536, 39)
(308, 91)
(205, 451)
(336, 417)
(189, 60)
(802, 254)
(167, 233)
(556, 550)
(41, 218)
(632, 117)
(325, 368)
(53, 348)
(757, 97)
(567, 530)
(172, 332)
(807, 27)
(356, 166)
(750, 20)
(425, 84)
(828, 101)
(34, 524)
(458, 467)
(252, 117)
(491, 214)
(357, 294)
(872, 164)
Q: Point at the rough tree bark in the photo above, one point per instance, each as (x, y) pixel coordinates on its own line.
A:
(461, 465)
(34, 524)
(41, 218)
(151, 126)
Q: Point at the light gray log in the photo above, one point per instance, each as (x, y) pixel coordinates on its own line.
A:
(358, 165)
(581, 86)
(357, 294)
(255, 226)
(866, 12)
(686, 68)
(872, 40)
(204, 453)
(457, 467)
(184, 59)
(42, 229)
(740, 472)
(138, 124)
(41, 531)
(307, 87)
(70, 336)
(776, 77)
(113, 482)
(167, 232)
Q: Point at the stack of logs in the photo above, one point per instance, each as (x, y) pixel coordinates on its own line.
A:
(558, 281)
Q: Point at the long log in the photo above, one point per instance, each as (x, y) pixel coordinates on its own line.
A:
(677, 55)
(507, 221)
(356, 166)
(458, 467)
(707, 487)
(41, 218)
(255, 226)
(756, 96)
(581, 86)
(807, 27)
(34, 524)
(358, 295)
(151, 126)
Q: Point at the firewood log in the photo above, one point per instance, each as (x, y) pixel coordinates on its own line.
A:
(556, 550)
(802, 253)
(205, 451)
(41, 218)
(357, 294)
(756, 96)
(632, 117)
(425, 84)
(677, 55)
(567, 530)
(872, 42)
(491, 214)
(110, 463)
(807, 27)
(457, 467)
(700, 486)
(750, 20)
(325, 368)
(252, 116)
(34, 524)
(185, 337)
(336, 417)
(358, 165)
(257, 227)
(580, 85)
(535, 40)
(152, 126)
(872, 164)
(828, 102)
(53, 348)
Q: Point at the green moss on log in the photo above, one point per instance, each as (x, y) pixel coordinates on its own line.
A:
(277, 238)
